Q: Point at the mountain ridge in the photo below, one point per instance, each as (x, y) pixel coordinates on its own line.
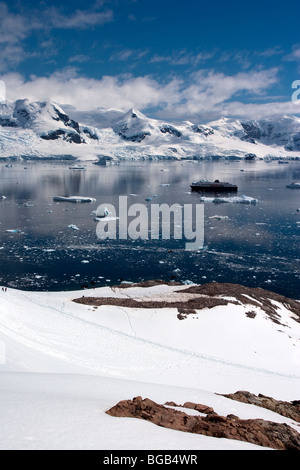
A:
(43, 128)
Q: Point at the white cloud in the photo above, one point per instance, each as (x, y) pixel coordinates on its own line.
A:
(85, 93)
(81, 19)
(272, 51)
(183, 57)
(208, 94)
(209, 91)
(14, 27)
(295, 54)
(79, 58)
(128, 54)
(11, 55)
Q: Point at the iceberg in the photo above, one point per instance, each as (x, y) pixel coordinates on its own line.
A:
(102, 212)
(219, 217)
(235, 199)
(74, 199)
(294, 186)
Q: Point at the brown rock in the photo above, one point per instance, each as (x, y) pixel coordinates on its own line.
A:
(254, 296)
(288, 409)
(171, 403)
(196, 406)
(207, 296)
(256, 431)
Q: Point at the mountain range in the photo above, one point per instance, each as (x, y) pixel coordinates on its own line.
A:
(34, 130)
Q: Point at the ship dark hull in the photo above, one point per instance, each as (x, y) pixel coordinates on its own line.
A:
(214, 188)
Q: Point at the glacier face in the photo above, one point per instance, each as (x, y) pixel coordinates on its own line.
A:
(42, 129)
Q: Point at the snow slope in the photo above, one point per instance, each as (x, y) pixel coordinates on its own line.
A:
(64, 364)
(45, 130)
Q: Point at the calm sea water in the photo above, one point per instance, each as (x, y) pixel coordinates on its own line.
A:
(257, 245)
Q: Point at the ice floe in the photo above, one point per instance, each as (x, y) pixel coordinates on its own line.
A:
(74, 199)
(233, 199)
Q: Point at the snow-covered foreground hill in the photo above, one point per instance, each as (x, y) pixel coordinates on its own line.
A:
(65, 363)
(44, 130)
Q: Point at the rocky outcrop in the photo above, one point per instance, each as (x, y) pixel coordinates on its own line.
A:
(256, 431)
(7, 122)
(167, 129)
(136, 137)
(283, 133)
(61, 116)
(90, 134)
(67, 136)
(184, 307)
(202, 130)
(53, 135)
(288, 409)
(197, 297)
(252, 296)
(193, 406)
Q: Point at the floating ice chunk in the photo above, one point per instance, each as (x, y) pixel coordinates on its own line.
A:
(13, 231)
(219, 217)
(73, 199)
(234, 199)
(2, 197)
(102, 212)
(73, 227)
(107, 219)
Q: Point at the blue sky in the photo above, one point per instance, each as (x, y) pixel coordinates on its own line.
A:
(195, 60)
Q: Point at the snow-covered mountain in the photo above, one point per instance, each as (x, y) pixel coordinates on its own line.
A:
(281, 131)
(45, 119)
(44, 129)
(65, 359)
